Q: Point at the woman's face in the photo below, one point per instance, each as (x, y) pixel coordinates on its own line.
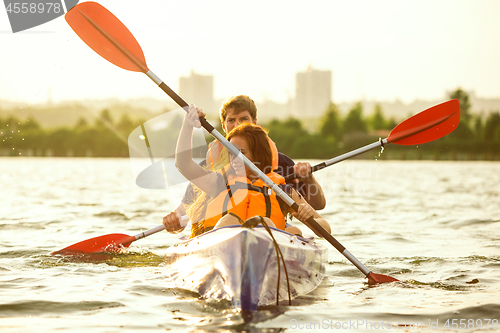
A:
(238, 166)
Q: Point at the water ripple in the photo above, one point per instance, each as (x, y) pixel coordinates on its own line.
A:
(36, 307)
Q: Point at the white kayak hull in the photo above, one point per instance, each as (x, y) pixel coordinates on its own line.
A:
(240, 265)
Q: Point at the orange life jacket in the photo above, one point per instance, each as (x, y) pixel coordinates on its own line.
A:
(217, 153)
(246, 200)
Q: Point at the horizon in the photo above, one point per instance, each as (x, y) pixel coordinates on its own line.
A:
(386, 51)
(70, 112)
(121, 99)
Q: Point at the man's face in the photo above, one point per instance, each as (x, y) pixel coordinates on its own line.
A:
(233, 120)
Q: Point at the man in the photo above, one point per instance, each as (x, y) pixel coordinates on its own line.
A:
(235, 111)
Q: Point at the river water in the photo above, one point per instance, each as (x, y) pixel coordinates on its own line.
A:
(433, 225)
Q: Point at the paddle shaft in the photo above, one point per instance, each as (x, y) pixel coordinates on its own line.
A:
(380, 143)
(127, 240)
(341, 158)
(311, 223)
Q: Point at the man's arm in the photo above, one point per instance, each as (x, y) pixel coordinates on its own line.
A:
(307, 185)
(313, 192)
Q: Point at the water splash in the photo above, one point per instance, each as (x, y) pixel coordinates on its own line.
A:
(381, 150)
(129, 257)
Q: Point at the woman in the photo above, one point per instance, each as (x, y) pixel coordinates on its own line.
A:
(235, 194)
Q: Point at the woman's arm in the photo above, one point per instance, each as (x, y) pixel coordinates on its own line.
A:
(306, 211)
(205, 180)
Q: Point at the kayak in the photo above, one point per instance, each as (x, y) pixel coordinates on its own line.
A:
(240, 265)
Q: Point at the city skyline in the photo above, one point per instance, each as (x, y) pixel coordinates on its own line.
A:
(312, 94)
(388, 50)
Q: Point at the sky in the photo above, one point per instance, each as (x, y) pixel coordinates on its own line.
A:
(376, 50)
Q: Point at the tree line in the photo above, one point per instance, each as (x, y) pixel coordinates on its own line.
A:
(103, 138)
(474, 138)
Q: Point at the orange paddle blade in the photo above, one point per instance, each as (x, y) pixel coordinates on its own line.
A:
(428, 125)
(97, 244)
(374, 278)
(107, 35)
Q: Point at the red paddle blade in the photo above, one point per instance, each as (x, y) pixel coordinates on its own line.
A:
(428, 125)
(107, 35)
(97, 244)
(374, 278)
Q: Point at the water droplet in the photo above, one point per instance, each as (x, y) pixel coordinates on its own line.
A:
(381, 151)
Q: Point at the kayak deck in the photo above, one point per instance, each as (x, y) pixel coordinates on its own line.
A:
(240, 265)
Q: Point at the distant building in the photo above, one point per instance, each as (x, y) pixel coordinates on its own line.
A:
(313, 93)
(198, 89)
(268, 110)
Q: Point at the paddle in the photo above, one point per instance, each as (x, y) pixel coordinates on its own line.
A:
(107, 36)
(110, 242)
(428, 125)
